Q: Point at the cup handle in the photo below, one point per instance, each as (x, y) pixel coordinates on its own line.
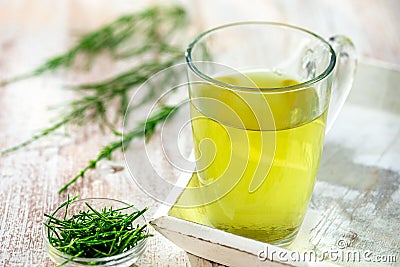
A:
(343, 75)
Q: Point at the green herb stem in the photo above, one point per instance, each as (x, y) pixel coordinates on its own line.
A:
(93, 107)
(153, 26)
(145, 129)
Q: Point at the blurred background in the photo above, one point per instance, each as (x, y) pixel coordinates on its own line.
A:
(34, 30)
(45, 26)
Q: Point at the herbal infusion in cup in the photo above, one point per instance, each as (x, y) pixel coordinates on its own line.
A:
(284, 158)
(258, 116)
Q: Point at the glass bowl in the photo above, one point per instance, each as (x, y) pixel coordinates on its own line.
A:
(128, 258)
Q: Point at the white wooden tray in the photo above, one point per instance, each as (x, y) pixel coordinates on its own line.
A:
(354, 213)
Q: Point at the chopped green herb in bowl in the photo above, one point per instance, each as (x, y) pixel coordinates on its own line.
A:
(95, 231)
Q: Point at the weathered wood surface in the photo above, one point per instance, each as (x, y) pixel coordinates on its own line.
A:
(31, 31)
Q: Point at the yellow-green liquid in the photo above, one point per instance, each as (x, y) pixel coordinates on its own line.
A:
(259, 165)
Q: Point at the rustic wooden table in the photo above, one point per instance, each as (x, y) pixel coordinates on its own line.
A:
(31, 31)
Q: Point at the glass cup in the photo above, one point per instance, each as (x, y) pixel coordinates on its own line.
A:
(262, 95)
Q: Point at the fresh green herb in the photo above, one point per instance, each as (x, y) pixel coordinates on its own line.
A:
(152, 28)
(147, 37)
(130, 35)
(95, 233)
(94, 107)
(145, 128)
